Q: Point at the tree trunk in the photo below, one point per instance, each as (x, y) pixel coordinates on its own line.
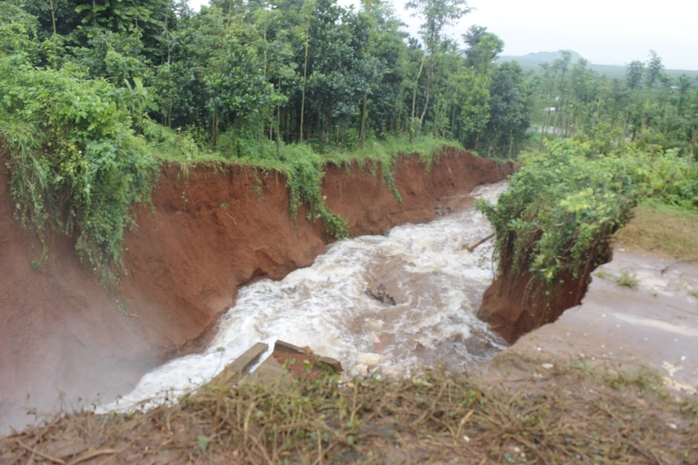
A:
(416, 84)
(305, 78)
(278, 133)
(430, 76)
(363, 122)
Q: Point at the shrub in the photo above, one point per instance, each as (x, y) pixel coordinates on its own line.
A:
(76, 166)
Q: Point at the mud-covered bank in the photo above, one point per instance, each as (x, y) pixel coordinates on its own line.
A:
(517, 303)
(210, 230)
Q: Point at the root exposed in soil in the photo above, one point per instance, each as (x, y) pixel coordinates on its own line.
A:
(538, 411)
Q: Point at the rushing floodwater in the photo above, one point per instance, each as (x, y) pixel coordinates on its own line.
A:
(437, 285)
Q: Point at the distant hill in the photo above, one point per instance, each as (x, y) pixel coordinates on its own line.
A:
(532, 62)
(538, 58)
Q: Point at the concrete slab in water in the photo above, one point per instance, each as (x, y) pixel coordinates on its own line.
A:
(240, 367)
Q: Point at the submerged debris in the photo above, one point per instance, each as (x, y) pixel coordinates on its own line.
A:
(442, 211)
(380, 293)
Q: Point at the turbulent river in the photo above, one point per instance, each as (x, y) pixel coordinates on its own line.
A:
(437, 285)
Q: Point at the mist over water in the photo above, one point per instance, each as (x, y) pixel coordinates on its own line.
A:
(436, 283)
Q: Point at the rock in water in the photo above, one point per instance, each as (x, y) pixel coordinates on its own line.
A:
(381, 294)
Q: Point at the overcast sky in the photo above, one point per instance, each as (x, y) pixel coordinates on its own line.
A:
(612, 32)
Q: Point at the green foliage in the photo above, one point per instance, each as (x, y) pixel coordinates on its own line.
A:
(304, 174)
(77, 167)
(648, 107)
(562, 207)
(300, 163)
(82, 84)
(18, 31)
(509, 107)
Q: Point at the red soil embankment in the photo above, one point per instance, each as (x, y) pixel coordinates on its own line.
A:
(516, 303)
(211, 230)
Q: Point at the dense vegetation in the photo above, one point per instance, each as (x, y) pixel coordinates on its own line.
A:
(93, 94)
(614, 144)
(567, 201)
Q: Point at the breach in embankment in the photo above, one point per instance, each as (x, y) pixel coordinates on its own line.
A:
(210, 229)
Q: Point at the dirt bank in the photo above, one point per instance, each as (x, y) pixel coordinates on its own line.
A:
(516, 304)
(210, 231)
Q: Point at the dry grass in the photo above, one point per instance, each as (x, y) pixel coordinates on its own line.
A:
(663, 229)
(568, 412)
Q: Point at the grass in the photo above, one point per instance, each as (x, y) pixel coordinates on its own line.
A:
(567, 413)
(627, 280)
(661, 228)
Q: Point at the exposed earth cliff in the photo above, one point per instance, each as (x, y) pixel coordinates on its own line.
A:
(209, 231)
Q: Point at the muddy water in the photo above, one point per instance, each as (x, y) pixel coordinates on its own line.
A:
(437, 286)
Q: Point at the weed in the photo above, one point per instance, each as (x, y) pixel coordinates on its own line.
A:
(257, 190)
(627, 280)
(122, 306)
(645, 379)
(37, 265)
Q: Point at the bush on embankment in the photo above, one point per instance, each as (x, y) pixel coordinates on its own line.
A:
(76, 163)
(81, 152)
(568, 200)
(555, 223)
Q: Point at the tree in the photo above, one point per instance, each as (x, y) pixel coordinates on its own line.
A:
(654, 69)
(483, 48)
(436, 14)
(509, 110)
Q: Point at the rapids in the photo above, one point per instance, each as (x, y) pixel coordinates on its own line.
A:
(437, 285)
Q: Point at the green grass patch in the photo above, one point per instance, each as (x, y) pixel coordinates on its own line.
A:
(628, 280)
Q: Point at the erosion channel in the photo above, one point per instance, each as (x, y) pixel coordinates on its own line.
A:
(435, 282)
(65, 339)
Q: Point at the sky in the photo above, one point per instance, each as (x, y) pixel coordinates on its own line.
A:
(607, 32)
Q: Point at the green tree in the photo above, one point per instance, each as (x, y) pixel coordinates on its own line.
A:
(509, 110)
(436, 14)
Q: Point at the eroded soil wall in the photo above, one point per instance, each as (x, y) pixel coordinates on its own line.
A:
(516, 303)
(210, 230)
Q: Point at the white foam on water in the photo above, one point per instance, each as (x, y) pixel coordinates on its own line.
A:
(437, 284)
